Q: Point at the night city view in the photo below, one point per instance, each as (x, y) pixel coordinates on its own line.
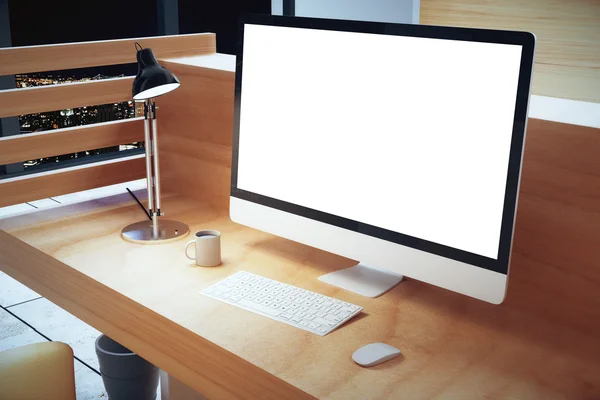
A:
(84, 22)
(71, 117)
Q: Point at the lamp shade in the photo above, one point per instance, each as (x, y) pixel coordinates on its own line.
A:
(152, 79)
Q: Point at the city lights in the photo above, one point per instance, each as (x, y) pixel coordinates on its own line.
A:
(71, 117)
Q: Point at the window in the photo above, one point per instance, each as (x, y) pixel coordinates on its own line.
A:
(36, 23)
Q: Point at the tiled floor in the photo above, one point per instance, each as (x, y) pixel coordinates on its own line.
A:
(12, 292)
(50, 322)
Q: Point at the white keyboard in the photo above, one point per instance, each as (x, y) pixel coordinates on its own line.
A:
(285, 303)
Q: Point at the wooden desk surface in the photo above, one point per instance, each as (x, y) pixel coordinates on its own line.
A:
(146, 296)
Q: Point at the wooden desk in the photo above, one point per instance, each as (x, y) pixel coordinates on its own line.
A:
(542, 343)
(146, 297)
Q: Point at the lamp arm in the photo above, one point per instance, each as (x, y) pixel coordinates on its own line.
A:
(155, 159)
(148, 147)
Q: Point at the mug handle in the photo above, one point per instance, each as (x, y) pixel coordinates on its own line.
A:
(186, 250)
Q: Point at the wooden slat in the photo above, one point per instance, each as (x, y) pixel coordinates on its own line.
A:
(68, 180)
(568, 49)
(59, 97)
(70, 140)
(21, 60)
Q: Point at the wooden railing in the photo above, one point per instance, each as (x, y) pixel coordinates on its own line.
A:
(20, 101)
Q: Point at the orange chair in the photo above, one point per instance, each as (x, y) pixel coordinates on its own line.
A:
(40, 371)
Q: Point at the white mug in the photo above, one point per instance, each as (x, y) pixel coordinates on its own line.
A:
(208, 248)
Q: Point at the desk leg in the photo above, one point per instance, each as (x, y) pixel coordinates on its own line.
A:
(172, 389)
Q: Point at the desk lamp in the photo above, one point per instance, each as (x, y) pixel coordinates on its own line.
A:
(152, 80)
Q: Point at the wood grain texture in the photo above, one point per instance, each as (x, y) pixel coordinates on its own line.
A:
(21, 60)
(453, 346)
(197, 122)
(68, 180)
(70, 140)
(568, 50)
(161, 341)
(555, 270)
(15, 102)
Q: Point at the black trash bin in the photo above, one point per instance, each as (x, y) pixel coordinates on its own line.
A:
(126, 375)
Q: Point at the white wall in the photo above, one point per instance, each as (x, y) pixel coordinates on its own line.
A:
(403, 11)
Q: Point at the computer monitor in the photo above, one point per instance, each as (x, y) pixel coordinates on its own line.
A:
(398, 146)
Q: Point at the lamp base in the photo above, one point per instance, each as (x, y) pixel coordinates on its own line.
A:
(142, 232)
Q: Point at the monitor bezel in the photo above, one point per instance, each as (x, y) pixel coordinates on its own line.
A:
(524, 39)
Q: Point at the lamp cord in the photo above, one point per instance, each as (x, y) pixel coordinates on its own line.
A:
(141, 205)
(138, 45)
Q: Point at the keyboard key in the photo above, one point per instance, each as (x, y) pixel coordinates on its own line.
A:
(322, 329)
(325, 322)
(314, 326)
(333, 318)
(259, 307)
(303, 323)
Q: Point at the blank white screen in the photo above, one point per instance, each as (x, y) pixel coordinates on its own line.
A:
(408, 134)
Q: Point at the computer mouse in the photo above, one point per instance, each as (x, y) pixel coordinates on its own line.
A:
(374, 354)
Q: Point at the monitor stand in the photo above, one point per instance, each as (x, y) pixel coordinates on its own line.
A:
(362, 279)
